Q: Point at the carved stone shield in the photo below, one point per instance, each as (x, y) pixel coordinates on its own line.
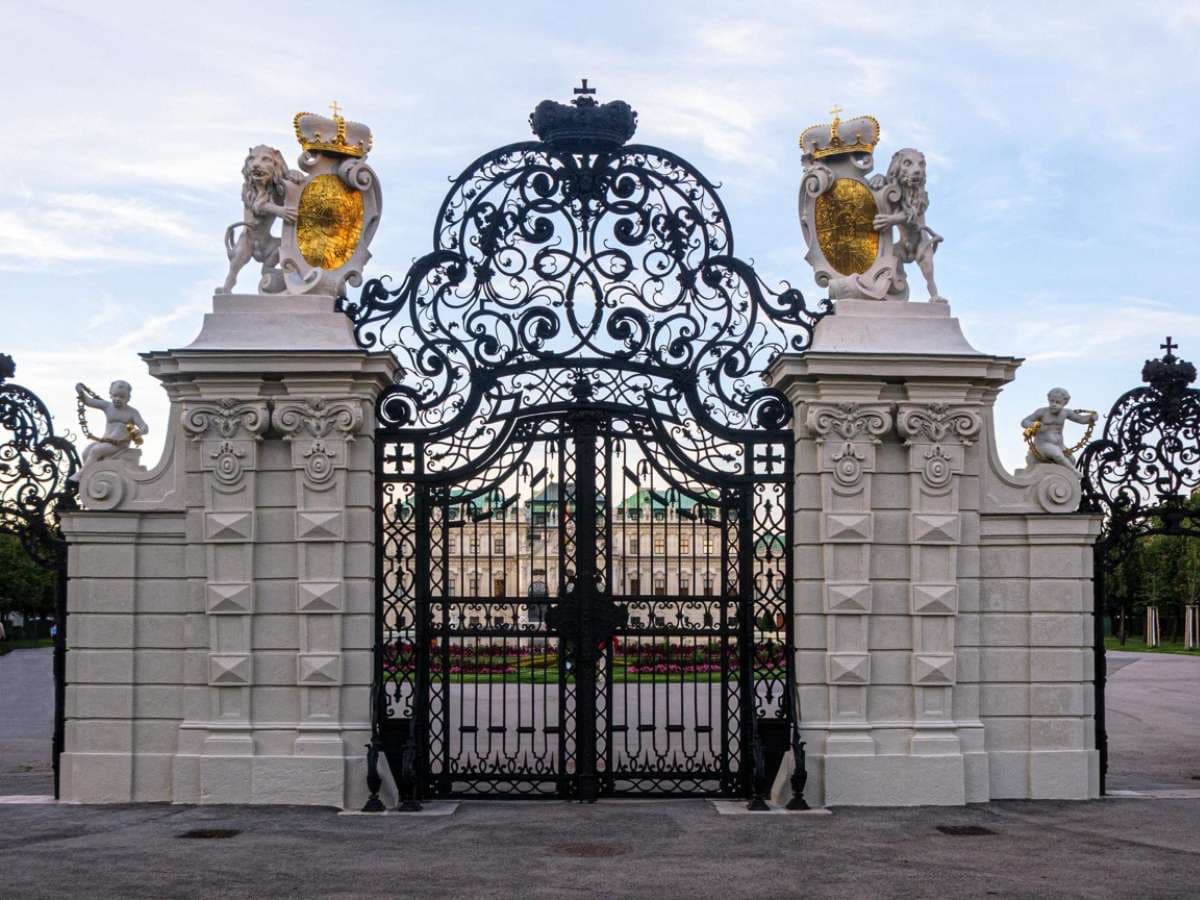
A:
(329, 222)
(337, 211)
(845, 216)
(849, 256)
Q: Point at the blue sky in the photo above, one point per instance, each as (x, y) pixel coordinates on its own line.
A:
(1059, 138)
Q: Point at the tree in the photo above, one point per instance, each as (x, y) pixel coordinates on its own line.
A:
(25, 587)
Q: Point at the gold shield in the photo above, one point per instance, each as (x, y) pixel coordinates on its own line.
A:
(329, 222)
(846, 233)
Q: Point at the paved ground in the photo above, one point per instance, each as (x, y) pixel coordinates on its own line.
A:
(26, 721)
(1153, 721)
(1110, 848)
(663, 849)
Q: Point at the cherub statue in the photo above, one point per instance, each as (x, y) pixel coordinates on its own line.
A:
(265, 175)
(123, 426)
(917, 242)
(1044, 429)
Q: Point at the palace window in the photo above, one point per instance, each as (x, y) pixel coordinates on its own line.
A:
(708, 584)
(685, 542)
(684, 584)
(498, 546)
(708, 544)
(660, 543)
(660, 584)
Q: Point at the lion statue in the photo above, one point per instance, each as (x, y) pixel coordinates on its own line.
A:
(917, 241)
(264, 191)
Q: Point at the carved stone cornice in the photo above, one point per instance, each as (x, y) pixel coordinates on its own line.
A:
(225, 417)
(850, 421)
(934, 423)
(317, 417)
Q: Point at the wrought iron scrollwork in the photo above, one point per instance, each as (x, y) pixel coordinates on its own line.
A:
(1141, 473)
(36, 471)
(620, 258)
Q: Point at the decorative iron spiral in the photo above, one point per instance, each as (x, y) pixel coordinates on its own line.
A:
(36, 467)
(548, 263)
(1143, 472)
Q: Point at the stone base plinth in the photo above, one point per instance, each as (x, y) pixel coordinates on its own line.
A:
(274, 322)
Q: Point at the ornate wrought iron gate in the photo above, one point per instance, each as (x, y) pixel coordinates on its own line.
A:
(584, 490)
(36, 487)
(1143, 475)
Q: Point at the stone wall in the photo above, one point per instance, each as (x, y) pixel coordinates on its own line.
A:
(221, 605)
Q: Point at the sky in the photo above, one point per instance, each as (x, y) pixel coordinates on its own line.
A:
(1057, 137)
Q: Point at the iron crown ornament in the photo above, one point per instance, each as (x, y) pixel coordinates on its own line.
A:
(584, 125)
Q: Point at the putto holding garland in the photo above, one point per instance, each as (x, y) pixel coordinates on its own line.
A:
(848, 219)
(330, 210)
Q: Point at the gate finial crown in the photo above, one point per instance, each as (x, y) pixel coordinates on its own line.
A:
(584, 125)
(1169, 375)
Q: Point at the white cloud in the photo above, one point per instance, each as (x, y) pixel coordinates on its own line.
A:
(94, 228)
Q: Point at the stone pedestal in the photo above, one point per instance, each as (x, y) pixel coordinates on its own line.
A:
(943, 605)
(221, 604)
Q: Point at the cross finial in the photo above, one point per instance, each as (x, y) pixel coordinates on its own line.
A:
(1169, 346)
(337, 110)
(583, 88)
(835, 111)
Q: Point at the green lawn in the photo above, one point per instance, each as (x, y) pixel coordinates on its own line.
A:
(32, 643)
(1134, 645)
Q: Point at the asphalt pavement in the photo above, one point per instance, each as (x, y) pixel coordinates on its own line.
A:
(1145, 848)
(26, 722)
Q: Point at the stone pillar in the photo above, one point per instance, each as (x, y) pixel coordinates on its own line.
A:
(936, 434)
(894, 530)
(320, 432)
(846, 435)
(227, 432)
(256, 672)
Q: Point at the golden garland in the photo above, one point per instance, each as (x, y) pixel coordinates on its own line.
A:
(81, 408)
(1031, 432)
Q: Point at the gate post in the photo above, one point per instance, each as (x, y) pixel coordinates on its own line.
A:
(222, 602)
(942, 604)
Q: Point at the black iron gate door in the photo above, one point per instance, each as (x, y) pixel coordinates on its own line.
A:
(584, 488)
(38, 469)
(1143, 476)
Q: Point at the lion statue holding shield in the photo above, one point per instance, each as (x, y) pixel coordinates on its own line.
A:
(265, 175)
(917, 242)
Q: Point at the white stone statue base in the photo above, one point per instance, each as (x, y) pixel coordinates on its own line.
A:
(274, 322)
(869, 326)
